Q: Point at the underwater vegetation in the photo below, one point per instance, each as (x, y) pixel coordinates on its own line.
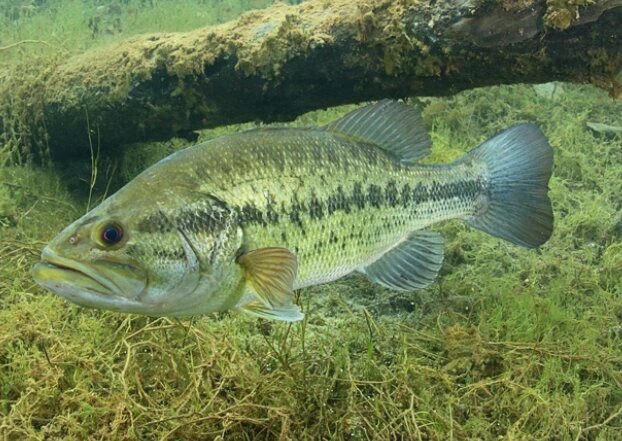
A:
(509, 343)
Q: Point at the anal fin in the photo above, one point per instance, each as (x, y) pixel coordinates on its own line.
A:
(412, 265)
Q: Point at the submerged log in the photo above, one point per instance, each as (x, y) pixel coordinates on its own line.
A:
(275, 64)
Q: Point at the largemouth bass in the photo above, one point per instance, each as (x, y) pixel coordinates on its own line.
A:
(241, 221)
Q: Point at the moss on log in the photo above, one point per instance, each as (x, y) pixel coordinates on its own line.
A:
(275, 64)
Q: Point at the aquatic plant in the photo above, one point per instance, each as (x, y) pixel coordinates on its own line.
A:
(509, 342)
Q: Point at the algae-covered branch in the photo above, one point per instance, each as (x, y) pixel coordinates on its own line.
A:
(277, 63)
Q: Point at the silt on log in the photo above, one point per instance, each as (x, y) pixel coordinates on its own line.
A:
(275, 64)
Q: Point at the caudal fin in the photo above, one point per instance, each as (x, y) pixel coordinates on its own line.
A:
(518, 167)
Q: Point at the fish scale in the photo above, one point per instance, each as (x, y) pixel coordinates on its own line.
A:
(298, 189)
(240, 221)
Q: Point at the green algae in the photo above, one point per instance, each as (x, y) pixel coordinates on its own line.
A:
(508, 344)
(560, 14)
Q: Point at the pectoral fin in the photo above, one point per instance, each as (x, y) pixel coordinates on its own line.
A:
(270, 273)
(287, 313)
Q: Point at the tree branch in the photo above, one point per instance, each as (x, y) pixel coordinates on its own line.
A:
(275, 64)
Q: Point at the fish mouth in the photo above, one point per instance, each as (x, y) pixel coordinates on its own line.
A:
(83, 284)
(52, 262)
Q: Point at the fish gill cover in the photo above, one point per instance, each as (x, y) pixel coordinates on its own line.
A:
(508, 343)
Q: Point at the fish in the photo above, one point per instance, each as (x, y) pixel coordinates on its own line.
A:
(243, 221)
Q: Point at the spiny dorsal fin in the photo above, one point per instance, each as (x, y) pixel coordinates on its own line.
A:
(391, 125)
(271, 272)
(410, 266)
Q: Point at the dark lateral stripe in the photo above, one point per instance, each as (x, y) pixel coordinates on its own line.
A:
(192, 220)
(360, 197)
(172, 254)
(200, 221)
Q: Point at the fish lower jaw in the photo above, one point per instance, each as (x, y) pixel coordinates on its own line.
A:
(85, 296)
(91, 298)
(79, 284)
(56, 267)
(85, 292)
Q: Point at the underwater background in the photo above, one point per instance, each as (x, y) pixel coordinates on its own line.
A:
(509, 343)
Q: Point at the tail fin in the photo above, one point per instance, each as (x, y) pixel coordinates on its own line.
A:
(518, 163)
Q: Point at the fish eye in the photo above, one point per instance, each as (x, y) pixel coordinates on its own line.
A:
(111, 234)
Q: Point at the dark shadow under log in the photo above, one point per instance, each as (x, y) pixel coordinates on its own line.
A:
(275, 64)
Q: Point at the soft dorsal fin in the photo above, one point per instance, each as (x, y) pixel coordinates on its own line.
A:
(410, 266)
(391, 125)
(271, 272)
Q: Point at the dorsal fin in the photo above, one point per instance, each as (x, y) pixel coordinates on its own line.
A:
(391, 125)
